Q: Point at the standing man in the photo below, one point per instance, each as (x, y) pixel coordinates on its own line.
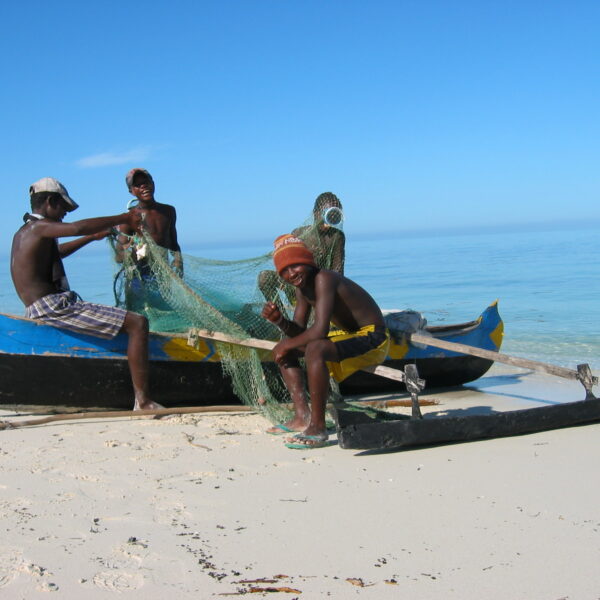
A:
(136, 280)
(39, 278)
(158, 219)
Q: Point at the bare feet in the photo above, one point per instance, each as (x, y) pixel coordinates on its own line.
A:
(148, 405)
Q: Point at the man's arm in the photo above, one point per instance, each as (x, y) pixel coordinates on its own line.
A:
(173, 231)
(177, 262)
(293, 328)
(67, 248)
(123, 241)
(325, 289)
(338, 252)
(55, 229)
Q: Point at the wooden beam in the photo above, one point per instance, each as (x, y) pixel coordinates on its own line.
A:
(112, 414)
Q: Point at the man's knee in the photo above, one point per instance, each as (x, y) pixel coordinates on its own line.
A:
(135, 323)
(320, 351)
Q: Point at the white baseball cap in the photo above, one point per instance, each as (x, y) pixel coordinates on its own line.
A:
(49, 184)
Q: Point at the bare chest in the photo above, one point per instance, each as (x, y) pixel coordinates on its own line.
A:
(158, 226)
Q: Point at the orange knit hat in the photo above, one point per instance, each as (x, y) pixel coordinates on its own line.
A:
(290, 250)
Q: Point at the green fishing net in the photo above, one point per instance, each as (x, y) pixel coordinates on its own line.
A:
(225, 297)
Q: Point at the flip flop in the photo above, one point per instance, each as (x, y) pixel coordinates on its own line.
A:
(313, 441)
(281, 429)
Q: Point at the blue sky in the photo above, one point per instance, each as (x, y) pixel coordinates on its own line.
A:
(418, 114)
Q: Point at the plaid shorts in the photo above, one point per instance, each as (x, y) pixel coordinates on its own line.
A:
(67, 311)
(363, 348)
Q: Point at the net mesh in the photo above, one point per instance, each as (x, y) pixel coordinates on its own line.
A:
(222, 296)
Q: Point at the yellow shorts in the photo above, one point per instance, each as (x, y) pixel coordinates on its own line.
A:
(363, 348)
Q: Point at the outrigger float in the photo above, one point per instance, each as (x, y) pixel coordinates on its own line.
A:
(370, 429)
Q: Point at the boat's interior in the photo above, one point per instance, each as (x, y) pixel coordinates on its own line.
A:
(454, 328)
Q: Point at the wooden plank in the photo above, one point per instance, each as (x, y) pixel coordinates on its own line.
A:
(161, 412)
(386, 372)
(218, 336)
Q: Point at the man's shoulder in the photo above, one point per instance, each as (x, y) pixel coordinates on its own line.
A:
(299, 231)
(33, 228)
(162, 209)
(164, 206)
(334, 235)
(334, 278)
(328, 277)
(30, 238)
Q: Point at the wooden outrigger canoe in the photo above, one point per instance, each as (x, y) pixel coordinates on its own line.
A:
(45, 365)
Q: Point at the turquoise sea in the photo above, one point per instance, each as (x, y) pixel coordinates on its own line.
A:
(547, 282)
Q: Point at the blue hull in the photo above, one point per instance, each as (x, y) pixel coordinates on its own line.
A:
(44, 365)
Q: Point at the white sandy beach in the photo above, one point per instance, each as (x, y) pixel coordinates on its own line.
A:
(204, 506)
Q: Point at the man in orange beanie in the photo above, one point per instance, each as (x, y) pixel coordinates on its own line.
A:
(361, 340)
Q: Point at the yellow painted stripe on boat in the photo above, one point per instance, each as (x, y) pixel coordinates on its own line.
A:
(497, 335)
(178, 349)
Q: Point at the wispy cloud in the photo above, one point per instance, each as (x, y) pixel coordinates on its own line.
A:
(107, 159)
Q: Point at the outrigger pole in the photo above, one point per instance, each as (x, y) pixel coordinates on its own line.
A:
(583, 374)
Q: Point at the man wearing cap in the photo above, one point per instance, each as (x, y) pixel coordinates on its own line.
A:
(38, 275)
(158, 219)
(361, 338)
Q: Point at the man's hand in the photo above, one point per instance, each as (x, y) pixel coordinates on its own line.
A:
(272, 313)
(101, 234)
(281, 351)
(177, 262)
(134, 218)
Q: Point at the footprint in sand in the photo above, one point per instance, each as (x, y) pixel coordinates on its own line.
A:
(169, 512)
(115, 443)
(133, 552)
(84, 477)
(11, 561)
(47, 586)
(64, 497)
(118, 581)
